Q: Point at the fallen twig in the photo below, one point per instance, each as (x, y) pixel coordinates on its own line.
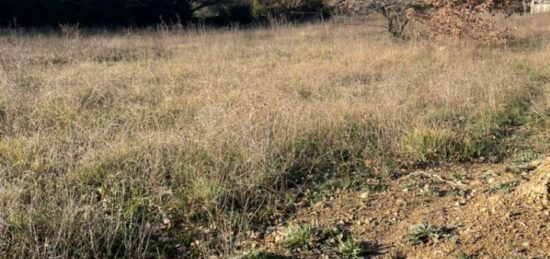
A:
(434, 177)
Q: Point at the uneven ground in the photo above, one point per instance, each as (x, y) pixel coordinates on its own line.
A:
(491, 212)
(303, 141)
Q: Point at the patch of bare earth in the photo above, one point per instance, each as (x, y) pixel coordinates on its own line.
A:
(492, 213)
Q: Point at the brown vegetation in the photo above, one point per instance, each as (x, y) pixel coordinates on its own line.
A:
(439, 19)
(187, 143)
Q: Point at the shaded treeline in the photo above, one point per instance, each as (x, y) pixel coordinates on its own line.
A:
(148, 12)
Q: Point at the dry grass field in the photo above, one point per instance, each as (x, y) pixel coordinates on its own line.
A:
(188, 143)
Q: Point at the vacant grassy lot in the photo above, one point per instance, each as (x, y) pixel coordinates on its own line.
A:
(184, 142)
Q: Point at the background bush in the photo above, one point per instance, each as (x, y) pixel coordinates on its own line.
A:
(147, 12)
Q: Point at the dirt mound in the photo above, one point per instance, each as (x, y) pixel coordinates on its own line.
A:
(538, 187)
(511, 224)
(482, 211)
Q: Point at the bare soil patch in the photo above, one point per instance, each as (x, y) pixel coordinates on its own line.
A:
(491, 212)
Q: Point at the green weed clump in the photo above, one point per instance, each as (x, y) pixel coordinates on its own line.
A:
(296, 237)
(349, 249)
(481, 136)
(424, 233)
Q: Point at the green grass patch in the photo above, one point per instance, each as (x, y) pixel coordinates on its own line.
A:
(297, 237)
(424, 233)
(349, 249)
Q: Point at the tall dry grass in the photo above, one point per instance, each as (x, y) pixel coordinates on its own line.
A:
(151, 143)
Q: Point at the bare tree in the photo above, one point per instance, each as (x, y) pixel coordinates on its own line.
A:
(395, 12)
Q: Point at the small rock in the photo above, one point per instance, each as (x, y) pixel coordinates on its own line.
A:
(401, 201)
(476, 182)
(536, 163)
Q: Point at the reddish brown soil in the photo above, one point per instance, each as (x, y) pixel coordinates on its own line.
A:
(495, 214)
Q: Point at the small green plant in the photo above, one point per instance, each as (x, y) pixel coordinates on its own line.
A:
(416, 183)
(458, 176)
(463, 255)
(423, 233)
(430, 191)
(296, 237)
(377, 187)
(262, 255)
(522, 162)
(349, 249)
(460, 192)
(520, 168)
(526, 156)
(504, 187)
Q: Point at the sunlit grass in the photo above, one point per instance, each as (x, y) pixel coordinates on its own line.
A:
(161, 143)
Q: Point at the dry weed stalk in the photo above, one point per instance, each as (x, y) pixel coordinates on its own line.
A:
(70, 31)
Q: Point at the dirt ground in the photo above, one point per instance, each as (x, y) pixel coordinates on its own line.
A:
(488, 211)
